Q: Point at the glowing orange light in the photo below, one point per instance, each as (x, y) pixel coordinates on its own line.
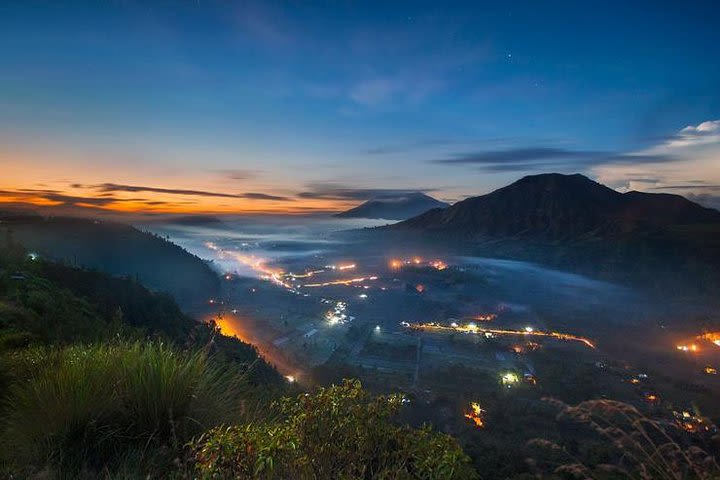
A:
(340, 282)
(474, 328)
(475, 414)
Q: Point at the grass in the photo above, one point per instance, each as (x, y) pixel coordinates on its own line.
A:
(111, 406)
(647, 448)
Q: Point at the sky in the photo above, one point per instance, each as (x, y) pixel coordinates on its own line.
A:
(299, 107)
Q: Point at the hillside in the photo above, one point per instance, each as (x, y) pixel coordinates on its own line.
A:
(101, 378)
(118, 249)
(43, 302)
(394, 207)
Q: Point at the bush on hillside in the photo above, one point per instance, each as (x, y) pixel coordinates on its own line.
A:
(339, 432)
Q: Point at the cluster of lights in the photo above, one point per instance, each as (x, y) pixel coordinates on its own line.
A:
(286, 280)
(713, 337)
(348, 266)
(509, 379)
(694, 345)
(528, 331)
(304, 275)
(349, 281)
(397, 264)
(691, 423)
(337, 315)
(258, 265)
(475, 414)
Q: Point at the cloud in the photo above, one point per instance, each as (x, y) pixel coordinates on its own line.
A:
(704, 133)
(688, 186)
(692, 171)
(34, 196)
(114, 187)
(334, 191)
(238, 173)
(265, 196)
(544, 157)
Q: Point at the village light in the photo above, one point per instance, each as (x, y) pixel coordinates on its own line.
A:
(509, 379)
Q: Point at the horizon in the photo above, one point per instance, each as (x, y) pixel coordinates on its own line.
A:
(265, 107)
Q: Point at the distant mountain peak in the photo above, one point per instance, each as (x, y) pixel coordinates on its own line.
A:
(557, 206)
(394, 206)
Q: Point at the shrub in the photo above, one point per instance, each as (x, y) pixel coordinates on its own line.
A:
(339, 432)
(91, 407)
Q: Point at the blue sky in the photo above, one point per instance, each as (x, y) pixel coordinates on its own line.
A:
(288, 98)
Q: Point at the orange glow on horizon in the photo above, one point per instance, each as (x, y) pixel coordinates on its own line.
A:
(160, 204)
(27, 181)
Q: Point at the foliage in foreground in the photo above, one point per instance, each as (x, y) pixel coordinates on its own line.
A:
(86, 408)
(649, 449)
(340, 432)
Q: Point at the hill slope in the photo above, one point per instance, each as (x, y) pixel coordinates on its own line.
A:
(117, 249)
(394, 207)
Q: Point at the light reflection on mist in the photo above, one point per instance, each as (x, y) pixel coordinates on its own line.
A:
(274, 239)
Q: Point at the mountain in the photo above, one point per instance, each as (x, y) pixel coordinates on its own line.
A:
(394, 207)
(555, 206)
(117, 249)
(659, 241)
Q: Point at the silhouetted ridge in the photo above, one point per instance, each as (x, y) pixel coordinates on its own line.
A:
(559, 206)
(394, 206)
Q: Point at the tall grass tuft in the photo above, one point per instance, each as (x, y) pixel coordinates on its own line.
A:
(86, 408)
(647, 448)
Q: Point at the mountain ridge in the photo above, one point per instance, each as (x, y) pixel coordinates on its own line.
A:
(560, 206)
(394, 206)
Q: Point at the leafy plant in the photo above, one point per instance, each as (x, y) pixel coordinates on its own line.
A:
(339, 432)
